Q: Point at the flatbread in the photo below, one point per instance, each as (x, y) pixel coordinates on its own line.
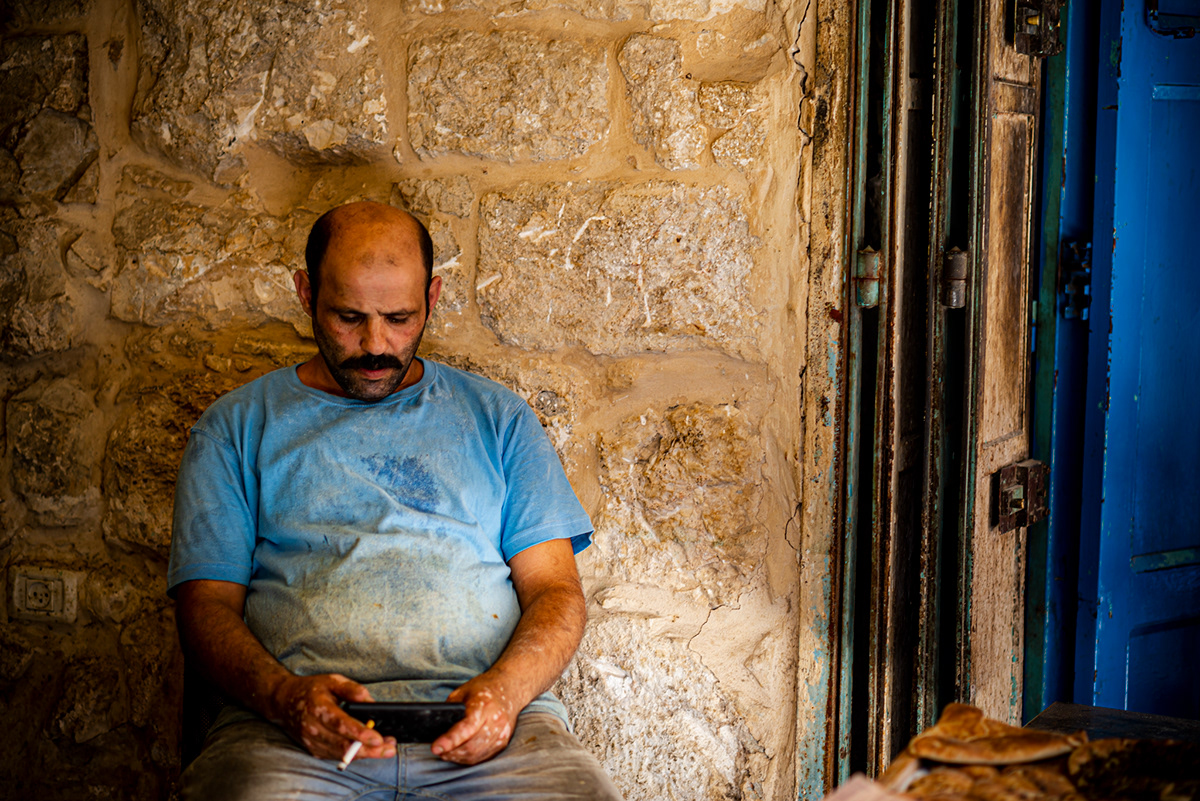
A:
(1003, 750)
(899, 774)
(941, 781)
(963, 736)
(1020, 784)
(1050, 777)
(995, 790)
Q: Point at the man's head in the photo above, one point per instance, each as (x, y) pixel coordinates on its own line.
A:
(369, 289)
(337, 219)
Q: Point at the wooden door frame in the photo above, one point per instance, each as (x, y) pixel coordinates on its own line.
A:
(834, 522)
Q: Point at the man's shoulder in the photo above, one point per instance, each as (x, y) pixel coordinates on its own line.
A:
(480, 387)
(252, 394)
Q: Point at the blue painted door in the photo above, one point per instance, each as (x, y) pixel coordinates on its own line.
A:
(1138, 638)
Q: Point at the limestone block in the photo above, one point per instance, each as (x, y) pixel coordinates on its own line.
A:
(93, 700)
(606, 10)
(183, 261)
(442, 203)
(39, 314)
(656, 717)
(451, 195)
(55, 153)
(12, 277)
(40, 72)
(666, 115)
(153, 667)
(87, 189)
(10, 176)
(21, 13)
(141, 461)
(45, 121)
(745, 647)
(16, 653)
(617, 269)
(264, 352)
(683, 489)
(139, 180)
(734, 111)
(113, 597)
(505, 96)
(697, 10)
(448, 264)
(554, 391)
(302, 78)
(142, 455)
(91, 258)
(446, 253)
(51, 430)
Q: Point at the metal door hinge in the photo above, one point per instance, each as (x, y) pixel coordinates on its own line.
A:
(866, 278)
(1021, 494)
(1076, 271)
(955, 265)
(1031, 26)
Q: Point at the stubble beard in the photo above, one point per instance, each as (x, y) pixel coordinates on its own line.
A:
(343, 367)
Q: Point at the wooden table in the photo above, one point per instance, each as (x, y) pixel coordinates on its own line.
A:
(1100, 722)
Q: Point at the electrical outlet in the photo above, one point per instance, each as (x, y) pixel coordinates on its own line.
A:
(45, 594)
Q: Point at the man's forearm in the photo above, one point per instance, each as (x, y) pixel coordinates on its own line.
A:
(543, 643)
(306, 707)
(215, 636)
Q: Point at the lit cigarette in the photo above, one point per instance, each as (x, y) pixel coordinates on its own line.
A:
(352, 749)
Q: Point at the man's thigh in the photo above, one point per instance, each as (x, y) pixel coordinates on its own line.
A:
(542, 761)
(253, 760)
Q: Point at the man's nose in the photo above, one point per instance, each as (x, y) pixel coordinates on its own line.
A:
(374, 340)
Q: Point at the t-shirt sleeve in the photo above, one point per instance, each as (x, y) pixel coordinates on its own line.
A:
(539, 503)
(214, 533)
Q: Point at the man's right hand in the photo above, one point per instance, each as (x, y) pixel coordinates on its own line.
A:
(307, 709)
(214, 633)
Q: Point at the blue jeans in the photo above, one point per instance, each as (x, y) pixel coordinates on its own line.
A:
(252, 760)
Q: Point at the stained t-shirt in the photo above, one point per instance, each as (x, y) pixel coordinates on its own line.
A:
(373, 537)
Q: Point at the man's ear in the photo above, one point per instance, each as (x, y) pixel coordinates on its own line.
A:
(435, 291)
(303, 290)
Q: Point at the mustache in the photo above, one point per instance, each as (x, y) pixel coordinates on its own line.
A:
(383, 361)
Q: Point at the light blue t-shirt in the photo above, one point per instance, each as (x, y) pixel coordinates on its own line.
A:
(373, 537)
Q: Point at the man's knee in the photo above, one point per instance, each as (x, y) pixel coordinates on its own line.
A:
(253, 760)
(542, 745)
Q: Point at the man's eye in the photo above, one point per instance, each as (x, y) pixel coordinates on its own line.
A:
(350, 318)
(397, 319)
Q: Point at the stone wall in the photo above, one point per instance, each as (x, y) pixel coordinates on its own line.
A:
(614, 189)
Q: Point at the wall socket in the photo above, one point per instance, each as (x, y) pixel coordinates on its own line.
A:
(45, 594)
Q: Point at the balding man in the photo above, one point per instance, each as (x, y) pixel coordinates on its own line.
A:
(369, 525)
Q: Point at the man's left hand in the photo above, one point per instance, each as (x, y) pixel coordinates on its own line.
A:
(487, 726)
(553, 612)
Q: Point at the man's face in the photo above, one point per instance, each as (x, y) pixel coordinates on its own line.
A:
(371, 311)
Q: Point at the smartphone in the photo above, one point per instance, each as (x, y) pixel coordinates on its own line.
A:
(407, 721)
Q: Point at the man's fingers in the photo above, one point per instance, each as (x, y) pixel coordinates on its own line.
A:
(458, 734)
(314, 717)
(337, 720)
(348, 689)
(482, 734)
(384, 751)
(483, 746)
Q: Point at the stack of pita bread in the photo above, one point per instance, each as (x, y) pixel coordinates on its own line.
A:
(967, 757)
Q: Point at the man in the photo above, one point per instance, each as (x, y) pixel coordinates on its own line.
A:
(371, 526)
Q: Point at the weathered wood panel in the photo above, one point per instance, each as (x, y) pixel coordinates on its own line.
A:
(1008, 124)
